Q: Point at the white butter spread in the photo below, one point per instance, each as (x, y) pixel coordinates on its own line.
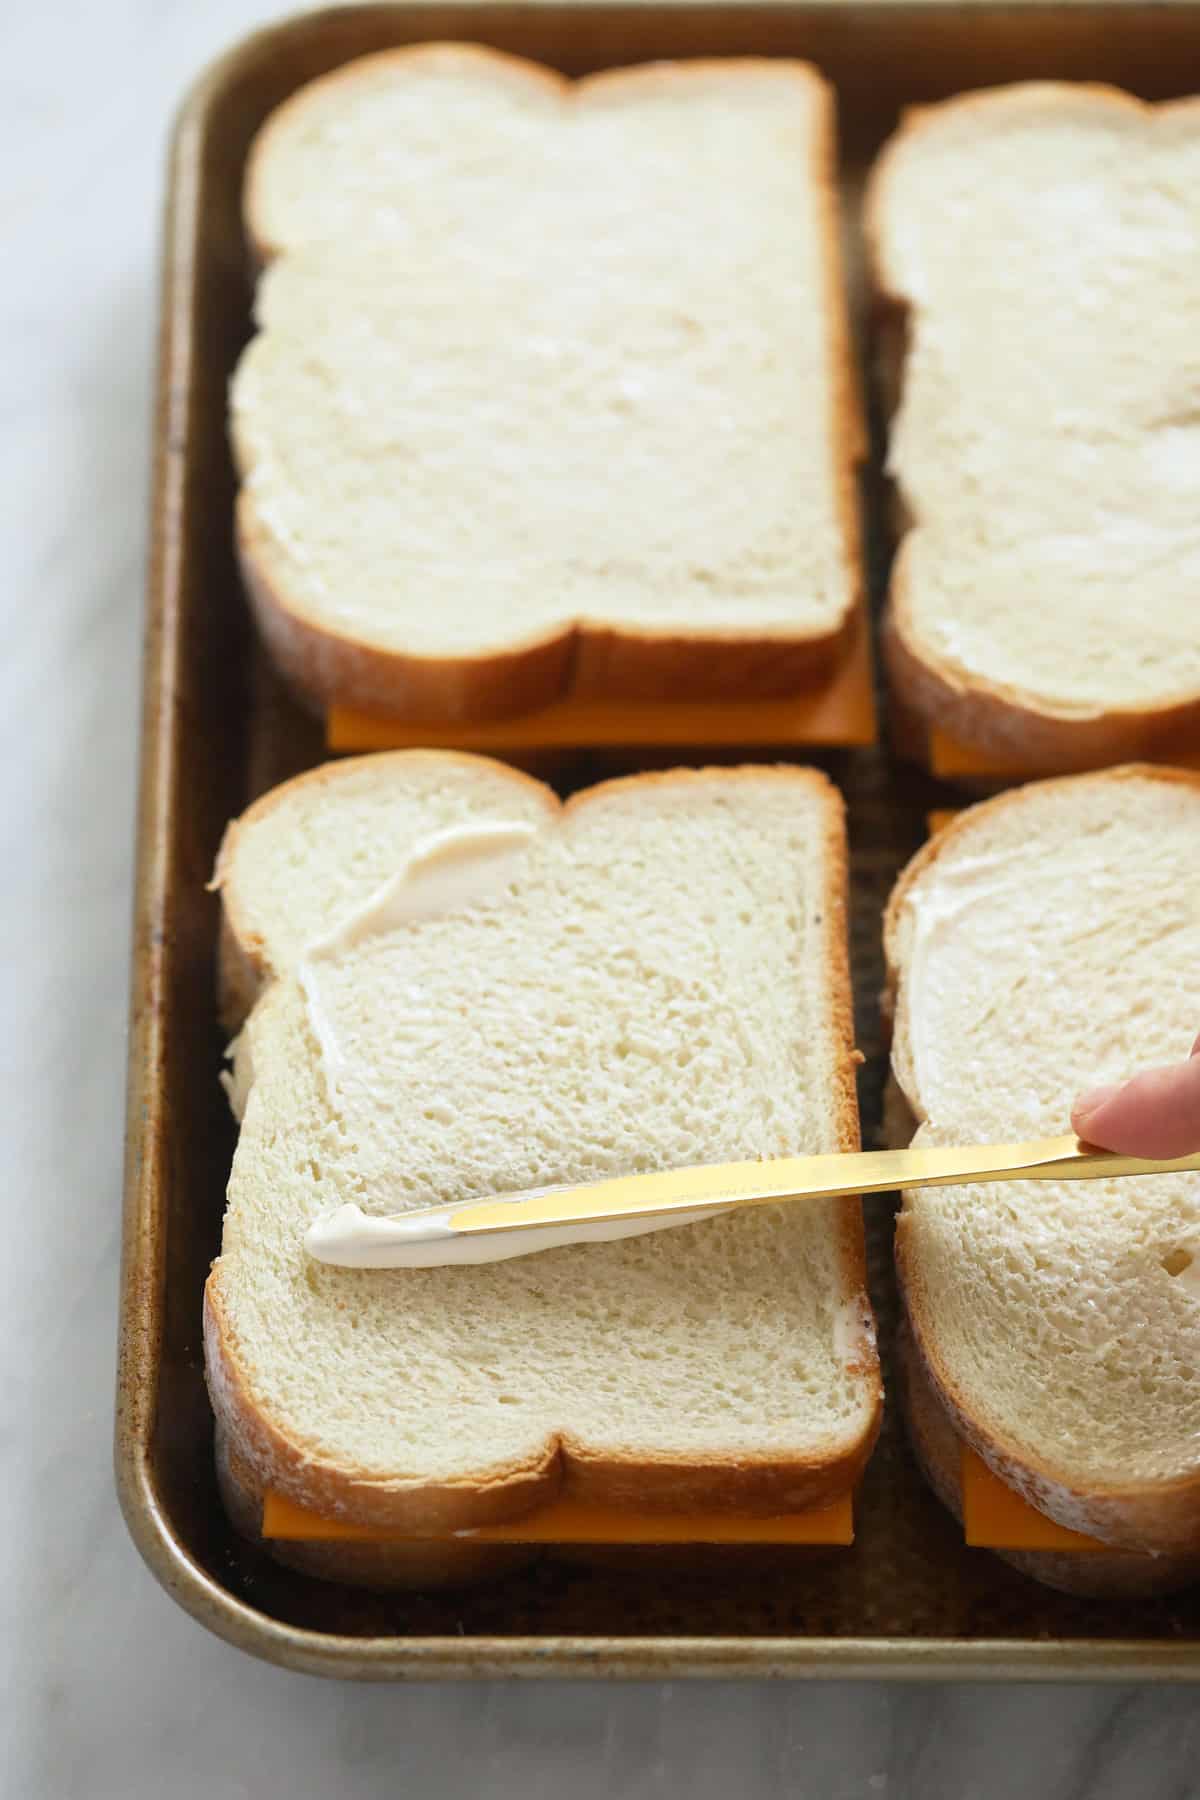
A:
(449, 869)
(320, 1024)
(352, 1239)
(959, 887)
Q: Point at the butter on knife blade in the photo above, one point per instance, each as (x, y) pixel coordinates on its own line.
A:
(506, 1225)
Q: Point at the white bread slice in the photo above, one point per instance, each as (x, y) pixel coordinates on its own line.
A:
(1036, 250)
(1045, 940)
(659, 980)
(552, 384)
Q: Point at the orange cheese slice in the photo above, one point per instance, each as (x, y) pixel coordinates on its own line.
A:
(840, 715)
(996, 1518)
(950, 758)
(575, 1522)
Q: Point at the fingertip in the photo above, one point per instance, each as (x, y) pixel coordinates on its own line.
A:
(1155, 1115)
(1090, 1103)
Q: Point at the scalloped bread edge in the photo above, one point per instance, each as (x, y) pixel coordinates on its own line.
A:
(584, 659)
(996, 716)
(255, 1454)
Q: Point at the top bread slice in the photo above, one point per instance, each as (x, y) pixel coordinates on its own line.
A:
(657, 979)
(552, 384)
(1045, 941)
(1039, 248)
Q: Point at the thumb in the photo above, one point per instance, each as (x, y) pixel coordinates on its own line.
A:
(1157, 1114)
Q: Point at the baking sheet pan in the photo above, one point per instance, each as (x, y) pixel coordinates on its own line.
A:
(909, 1600)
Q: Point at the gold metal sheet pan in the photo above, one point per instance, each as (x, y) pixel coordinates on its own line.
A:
(909, 1601)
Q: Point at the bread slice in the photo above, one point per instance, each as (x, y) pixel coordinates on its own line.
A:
(1035, 250)
(1045, 940)
(552, 384)
(658, 978)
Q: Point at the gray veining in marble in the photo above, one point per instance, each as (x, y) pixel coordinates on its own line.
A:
(108, 1689)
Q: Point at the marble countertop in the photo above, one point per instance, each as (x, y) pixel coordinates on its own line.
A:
(109, 1690)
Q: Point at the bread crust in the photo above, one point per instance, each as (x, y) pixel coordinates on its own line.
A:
(511, 71)
(1161, 1517)
(383, 1566)
(593, 658)
(1096, 1573)
(263, 1455)
(1008, 723)
(999, 717)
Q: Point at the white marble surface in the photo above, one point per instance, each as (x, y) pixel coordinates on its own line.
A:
(108, 1689)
